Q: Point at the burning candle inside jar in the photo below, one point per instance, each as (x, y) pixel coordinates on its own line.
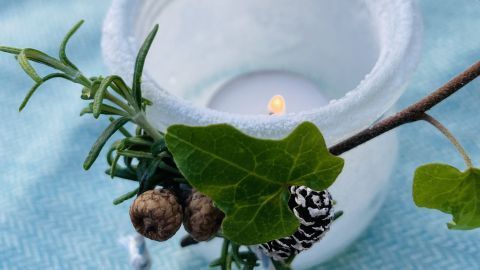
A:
(248, 94)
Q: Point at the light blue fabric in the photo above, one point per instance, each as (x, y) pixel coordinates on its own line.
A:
(53, 215)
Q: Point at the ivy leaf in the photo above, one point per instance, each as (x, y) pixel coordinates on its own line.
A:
(248, 178)
(445, 188)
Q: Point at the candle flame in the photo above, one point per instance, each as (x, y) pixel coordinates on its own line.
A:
(276, 105)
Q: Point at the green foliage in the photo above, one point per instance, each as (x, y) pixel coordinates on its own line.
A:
(118, 85)
(139, 63)
(62, 55)
(248, 178)
(125, 197)
(23, 61)
(109, 96)
(107, 133)
(37, 85)
(445, 188)
(103, 109)
(98, 98)
(231, 253)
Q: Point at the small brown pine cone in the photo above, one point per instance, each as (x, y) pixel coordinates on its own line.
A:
(202, 219)
(156, 214)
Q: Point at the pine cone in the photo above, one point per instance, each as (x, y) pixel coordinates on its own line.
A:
(202, 219)
(314, 210)
(156, 214)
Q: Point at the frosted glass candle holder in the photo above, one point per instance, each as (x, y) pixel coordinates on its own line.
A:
(359, 53)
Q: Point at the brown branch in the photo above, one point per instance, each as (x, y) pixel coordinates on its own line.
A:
(412, 113)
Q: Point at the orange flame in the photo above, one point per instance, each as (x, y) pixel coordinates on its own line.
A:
(276, 105)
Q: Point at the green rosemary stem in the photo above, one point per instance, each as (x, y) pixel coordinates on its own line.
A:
(224, 253)
(168, 168)
(125, 197)
(180, 180)
(84, 80)
(228, 262)
(290, 260)
(42, 58)
(141, 120)
(120, 103)
(337, 215)
(76, 75)
(434, 122)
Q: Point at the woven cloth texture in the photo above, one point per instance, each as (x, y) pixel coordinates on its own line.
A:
(54, 215)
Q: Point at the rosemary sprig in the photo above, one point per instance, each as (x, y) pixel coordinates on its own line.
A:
(144, 155)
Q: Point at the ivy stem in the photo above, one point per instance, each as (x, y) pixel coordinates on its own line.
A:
(444, 130)
(410, 114)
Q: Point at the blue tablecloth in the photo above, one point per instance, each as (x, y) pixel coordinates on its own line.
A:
(54, 215)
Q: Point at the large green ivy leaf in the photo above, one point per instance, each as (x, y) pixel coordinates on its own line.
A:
(248, 178)
(443, 187)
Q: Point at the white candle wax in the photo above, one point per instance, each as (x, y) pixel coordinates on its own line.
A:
(250, 93)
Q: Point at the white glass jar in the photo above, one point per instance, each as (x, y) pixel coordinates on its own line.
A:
(361, 53)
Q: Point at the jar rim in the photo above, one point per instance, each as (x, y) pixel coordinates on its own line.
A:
(399, 30)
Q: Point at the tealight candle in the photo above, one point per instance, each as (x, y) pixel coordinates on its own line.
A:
(249, 94)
